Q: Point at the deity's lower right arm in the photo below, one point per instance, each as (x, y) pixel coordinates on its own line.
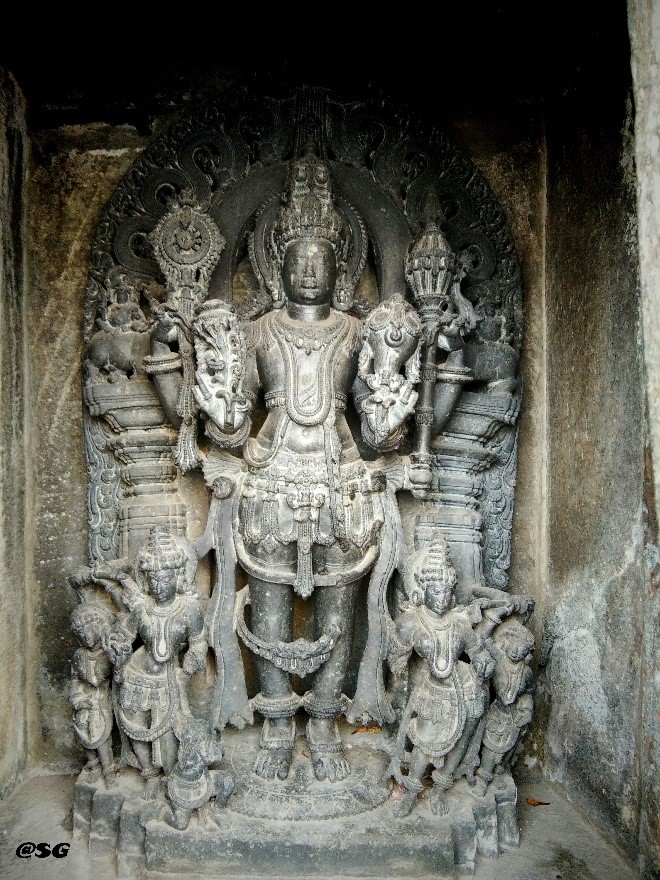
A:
(226, 380)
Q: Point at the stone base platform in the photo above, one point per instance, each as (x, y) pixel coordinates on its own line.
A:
(282, 831)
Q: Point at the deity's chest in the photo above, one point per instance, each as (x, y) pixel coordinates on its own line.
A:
(308, 367)
(93, 667)
(164, 630)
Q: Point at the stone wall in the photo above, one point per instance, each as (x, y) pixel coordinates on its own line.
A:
(74, 171)
(592, 619)
(14, 480)
(644, 26)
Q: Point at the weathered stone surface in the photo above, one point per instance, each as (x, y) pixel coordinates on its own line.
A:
(104, 821)
(555, 839)
(14, 479)
(82, 809)
(593, 616)
(509, 149)
(644, 29)
(423, 845)
(73, 172)
(155, 358)
(125, 828)
(592, 629)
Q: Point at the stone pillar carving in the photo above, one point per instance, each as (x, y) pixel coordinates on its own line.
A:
(138, 486)
(468, 447)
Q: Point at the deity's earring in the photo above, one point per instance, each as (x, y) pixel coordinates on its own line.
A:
(276, 291)
(342, 297)
(279, 300)
(417, 596)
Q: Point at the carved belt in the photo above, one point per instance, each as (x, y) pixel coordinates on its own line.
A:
(285, 479)
(276, 399)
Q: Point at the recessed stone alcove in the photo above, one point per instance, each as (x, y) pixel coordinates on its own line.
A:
(568, 157)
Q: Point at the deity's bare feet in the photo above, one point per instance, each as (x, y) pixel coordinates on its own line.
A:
(273, 762)
(110, 777)
(180, 818)
(151, 788)
(224, 789)
(479, 787)
(438, 801)
(275, 748)
(404, 807)
(92, 771)
(326, 750)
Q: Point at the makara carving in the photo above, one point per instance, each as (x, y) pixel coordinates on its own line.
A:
(301, 388)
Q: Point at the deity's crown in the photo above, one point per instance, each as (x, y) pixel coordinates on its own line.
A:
(437, 565)
(160, 551)
(513, 629)
(91, 612)
(308, 209)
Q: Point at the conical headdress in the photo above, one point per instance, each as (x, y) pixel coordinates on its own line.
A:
(160, 551)
(308, 209)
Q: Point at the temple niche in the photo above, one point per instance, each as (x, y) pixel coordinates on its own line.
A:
(301, 390)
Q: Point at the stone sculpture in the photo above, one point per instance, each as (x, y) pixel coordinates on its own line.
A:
(451, 695)
(89, 694)
(300, 314)
(150, 681)
(191, 785)
(510, 713)
(309, 510)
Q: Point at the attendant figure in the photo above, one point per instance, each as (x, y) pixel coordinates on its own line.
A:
(151, 680)
(449, 695)
(510, 714)
(89, 692)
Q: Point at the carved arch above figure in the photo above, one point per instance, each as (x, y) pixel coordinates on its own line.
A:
(232, 152)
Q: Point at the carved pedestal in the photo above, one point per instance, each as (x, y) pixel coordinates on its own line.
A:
(128, 834)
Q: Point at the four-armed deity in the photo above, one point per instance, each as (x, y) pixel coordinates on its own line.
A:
(302, 499)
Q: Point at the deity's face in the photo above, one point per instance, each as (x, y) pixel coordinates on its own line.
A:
(87, 631)
(162, 584)
(438, 596)
(517, 650)
(309, 271)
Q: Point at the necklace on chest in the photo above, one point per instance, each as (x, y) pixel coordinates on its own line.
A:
(310, 337)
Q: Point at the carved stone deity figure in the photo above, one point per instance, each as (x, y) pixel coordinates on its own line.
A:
(150, 679)
(309, 514)
(282, 287)
(510, 713)
(191, 785)
(449, 695)
(89, 693)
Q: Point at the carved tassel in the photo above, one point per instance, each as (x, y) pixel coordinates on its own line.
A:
(304, 583)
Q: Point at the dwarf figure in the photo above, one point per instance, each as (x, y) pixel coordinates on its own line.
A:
(191, 784)
(89, 692)
(510, 714)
